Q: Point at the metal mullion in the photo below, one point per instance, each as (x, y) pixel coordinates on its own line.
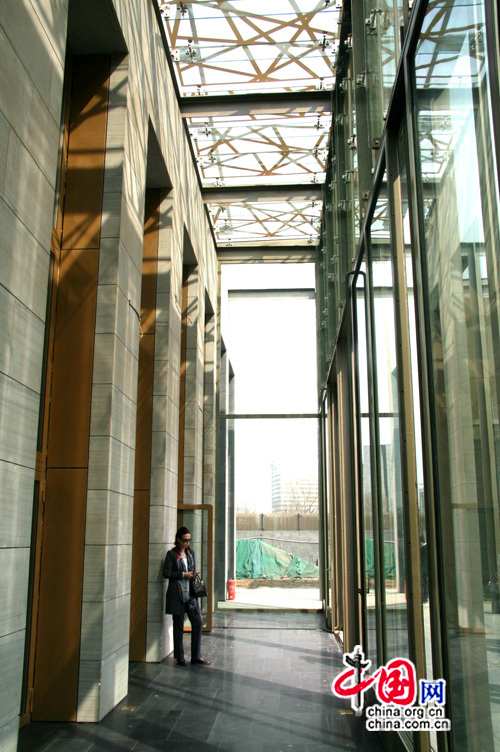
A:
(439, 638)
(323, 503)
(407, 428)
(356, 477)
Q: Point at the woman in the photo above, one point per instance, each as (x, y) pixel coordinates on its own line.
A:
(179, 569)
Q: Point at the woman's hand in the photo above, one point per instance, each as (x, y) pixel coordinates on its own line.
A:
(188, 575)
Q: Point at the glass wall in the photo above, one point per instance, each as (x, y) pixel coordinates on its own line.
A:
(390, 497)
(367, 519)
(271, 426)
(383, 22)
(461, 254)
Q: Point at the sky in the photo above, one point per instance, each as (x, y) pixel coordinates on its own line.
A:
(272, 346)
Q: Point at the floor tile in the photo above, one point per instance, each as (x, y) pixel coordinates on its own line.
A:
(268, 689)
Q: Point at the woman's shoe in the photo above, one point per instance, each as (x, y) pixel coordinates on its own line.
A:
(181, 662)
(203, 662)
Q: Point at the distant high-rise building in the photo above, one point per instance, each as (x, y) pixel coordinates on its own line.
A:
(293, 492)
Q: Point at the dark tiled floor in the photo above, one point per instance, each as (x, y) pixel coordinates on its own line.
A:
(267, 690)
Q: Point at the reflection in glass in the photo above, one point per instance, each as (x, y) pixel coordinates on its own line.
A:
(388, 434)
(383, 21)
(370, 571)
(462, 249)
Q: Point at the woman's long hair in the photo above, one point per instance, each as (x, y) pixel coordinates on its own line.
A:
(182, 531)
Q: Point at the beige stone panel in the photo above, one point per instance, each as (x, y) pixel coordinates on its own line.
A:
(113, 168)
(88, 691)
(18, 429)
(4, 142)
(16, 88)
(157, 526)
(158, 448)
(8, 735)
(14, 563)
(115, 314)
(7, 304)
(91, 631)
(107, 572)
(111, 465)
(118, 85)
(116, 625)
(160, 407)
(111, 214)
(24, 262)
(34, 42)
(11, 671)
(109, 518)
(16, 503)
(56, 90)
(113, 414)
(43, 139)
(157, 553)
(27, 347)
(117, 267)
(114, 680)
(114, 363)
(27, 191)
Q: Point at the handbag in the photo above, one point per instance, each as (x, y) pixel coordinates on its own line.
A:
(198, 588)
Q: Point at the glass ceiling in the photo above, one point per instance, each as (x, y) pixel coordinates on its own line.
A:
(275, 221)
(224, 48)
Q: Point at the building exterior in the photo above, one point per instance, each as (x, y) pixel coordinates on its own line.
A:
(116, 419)
(293, 493)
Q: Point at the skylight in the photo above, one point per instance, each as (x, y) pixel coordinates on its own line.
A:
(222, 48)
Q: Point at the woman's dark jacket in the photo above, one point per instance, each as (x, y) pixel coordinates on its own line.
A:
(172, 571)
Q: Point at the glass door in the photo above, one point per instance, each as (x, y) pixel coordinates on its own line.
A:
(199, 520)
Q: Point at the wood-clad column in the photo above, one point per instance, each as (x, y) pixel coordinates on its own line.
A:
(142, 484)
(60, 597)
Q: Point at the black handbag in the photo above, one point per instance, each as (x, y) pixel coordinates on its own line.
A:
(198, 588)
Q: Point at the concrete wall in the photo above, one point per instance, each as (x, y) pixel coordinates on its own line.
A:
(32, 59)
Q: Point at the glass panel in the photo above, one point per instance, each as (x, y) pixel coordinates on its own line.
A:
(383, 19)
(410, 301)
(274, 220)
(277, 513)
(328, 460)
(270, 333)
(276, 150)
(459, 183)
(370, 572)
(388, 434)
(251, 46)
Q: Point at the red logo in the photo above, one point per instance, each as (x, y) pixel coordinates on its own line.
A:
(395, 683)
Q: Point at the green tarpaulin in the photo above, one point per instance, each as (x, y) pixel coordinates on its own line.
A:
(389, 559)
(256, 560)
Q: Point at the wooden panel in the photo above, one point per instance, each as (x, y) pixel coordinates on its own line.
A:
(87, 140)
(150, 262)
(73, 359)
(139, 590)
(59, 615)
(144, 413)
